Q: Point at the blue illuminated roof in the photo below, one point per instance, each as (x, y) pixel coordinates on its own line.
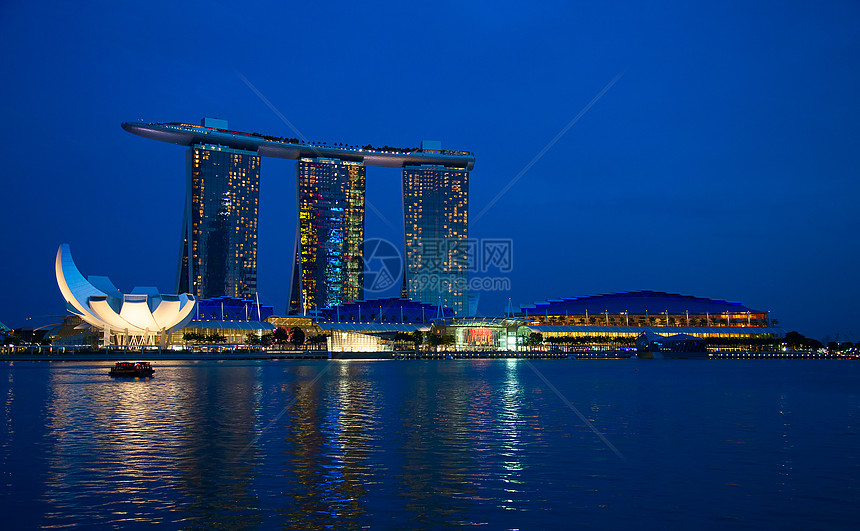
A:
(391, 310)
(636, 302)
(663, 330)
(372, 327)
(230, 325)
(232, 309)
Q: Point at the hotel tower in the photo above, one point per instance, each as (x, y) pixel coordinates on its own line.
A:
(219, 234)
(329, 259)
(436, 230)
(219, 230)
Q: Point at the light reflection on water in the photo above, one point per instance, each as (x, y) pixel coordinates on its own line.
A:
(238, 445)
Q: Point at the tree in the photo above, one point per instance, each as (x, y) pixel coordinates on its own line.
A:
(14, 339)
(796, 340)
(403, 337)
(280, 335)
(198, 337)
(417, 338)
(534, 339)
(434, 339)
(319, 339)
(297, 336)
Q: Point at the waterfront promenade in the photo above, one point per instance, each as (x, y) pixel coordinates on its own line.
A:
(66, 354)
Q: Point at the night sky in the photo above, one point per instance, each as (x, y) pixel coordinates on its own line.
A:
(723, 162)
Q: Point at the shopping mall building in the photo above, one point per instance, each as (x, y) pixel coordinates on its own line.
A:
(612, 321)
(600, 322)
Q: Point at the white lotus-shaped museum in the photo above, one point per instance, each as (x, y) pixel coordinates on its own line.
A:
(138, 318)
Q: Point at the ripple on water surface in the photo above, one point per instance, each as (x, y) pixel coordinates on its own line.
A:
(746, 443)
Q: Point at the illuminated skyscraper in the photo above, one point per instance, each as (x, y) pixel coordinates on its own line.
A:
(219, 230)
(329, 266)
(436, 229)
(219, 237)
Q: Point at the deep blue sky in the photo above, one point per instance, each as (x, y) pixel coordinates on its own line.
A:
(723, 163)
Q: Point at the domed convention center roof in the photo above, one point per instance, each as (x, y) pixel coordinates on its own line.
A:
(638, 302)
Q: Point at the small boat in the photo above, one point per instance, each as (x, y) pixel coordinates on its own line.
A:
(128, 369)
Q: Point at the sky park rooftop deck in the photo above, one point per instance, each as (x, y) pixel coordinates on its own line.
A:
(292, 148)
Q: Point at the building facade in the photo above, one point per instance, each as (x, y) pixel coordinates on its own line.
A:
(329, 263)
(391, 310)
(436, 230)
(615, 320)
(219, 234)
(142, 317)
(505, 334)
(232, 309)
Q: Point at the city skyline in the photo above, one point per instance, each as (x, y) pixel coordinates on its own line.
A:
(220, 225)
(721, 164)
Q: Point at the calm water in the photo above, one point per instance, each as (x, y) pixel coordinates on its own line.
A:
(714, 444)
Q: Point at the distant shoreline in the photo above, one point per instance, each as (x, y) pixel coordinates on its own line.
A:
(168, 355)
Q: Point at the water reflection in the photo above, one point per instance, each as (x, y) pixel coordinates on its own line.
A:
(322, 444)
(217, 423)
(436, 444)
(787, 445)
(136, 450)
(325, 449)
(7, 441)
(100, 457)
(510, 420)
